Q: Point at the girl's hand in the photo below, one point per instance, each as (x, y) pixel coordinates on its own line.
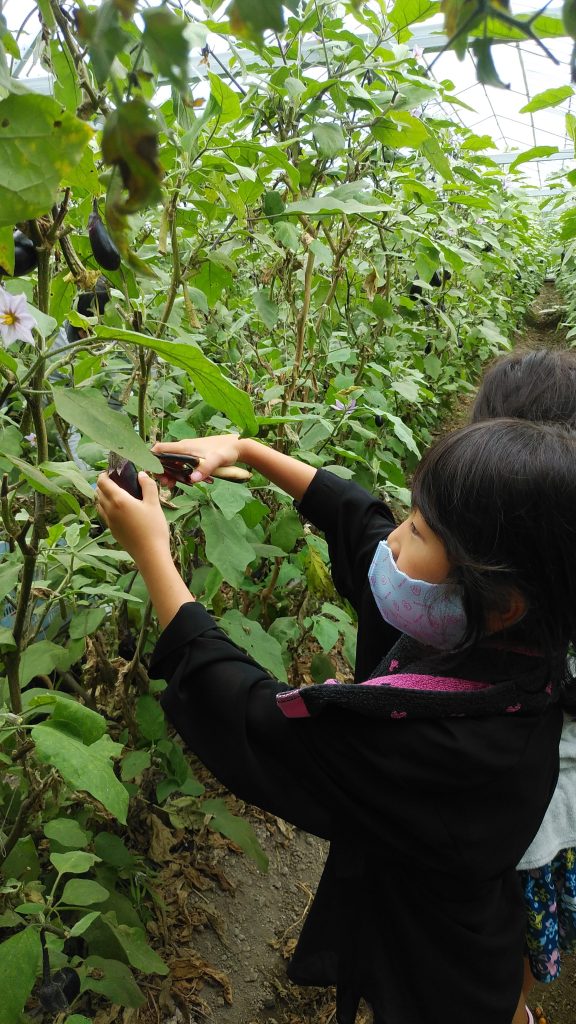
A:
(139, 526)
(217, 451)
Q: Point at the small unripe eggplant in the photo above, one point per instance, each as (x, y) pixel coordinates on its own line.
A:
(103, 249)
(124, 473)
(25, 255)
(60, 991)
(93, 303)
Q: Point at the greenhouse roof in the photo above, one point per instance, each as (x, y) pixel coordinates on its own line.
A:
(522, 66)
(528, 71)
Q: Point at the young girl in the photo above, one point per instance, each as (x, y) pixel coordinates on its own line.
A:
(431, 779)
(540, 385)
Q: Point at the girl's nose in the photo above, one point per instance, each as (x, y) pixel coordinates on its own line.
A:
(394, 544)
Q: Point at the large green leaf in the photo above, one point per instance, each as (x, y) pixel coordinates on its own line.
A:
(84, 767)
(42, 658)
(39, 143)
(165, 39)
(406, 13)
(34, 476)
(88, 724)
(211, 383)
(112, 979)
(250, 635)
(532, 154)
(226, 545)
(88, 410)
(548, 98)
(19, 959)
(83, 892)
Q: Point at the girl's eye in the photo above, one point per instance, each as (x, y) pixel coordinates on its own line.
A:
(413, 530)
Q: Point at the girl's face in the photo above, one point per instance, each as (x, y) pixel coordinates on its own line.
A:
(417, 551)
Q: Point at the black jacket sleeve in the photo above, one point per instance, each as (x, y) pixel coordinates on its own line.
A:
(353, 522)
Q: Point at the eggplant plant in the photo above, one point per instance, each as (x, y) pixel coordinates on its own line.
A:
(294, 242)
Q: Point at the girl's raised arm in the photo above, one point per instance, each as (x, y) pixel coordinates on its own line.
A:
(290, 474)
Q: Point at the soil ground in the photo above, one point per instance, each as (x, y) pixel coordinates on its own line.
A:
(229, 927)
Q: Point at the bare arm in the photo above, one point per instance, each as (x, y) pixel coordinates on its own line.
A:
(140, 528)
(290, 474)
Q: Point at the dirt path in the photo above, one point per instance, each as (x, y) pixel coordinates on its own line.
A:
(232, 927)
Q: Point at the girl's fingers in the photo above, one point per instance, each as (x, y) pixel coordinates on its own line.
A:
(149, 488)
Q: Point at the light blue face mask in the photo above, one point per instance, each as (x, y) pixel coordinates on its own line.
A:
(432, 613)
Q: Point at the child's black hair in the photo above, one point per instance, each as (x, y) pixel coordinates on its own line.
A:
(538, 385)
(501, 495)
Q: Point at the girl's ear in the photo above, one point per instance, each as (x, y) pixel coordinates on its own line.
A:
(496, 621)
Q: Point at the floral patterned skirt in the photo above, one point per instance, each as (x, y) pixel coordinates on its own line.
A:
(550, 896)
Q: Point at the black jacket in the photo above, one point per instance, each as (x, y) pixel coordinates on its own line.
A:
(418, 908)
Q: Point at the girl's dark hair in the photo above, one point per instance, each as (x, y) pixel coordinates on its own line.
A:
(537, 385)
(501, 495)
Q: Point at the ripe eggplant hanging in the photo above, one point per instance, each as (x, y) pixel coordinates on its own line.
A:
(25, 255)
(103, 249)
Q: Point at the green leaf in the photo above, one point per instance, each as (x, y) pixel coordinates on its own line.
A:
(19, 959)
(87, 724)
(331, 204)
(42, 658)
(532, 154)
(250, 635)
(113, 980)
(22, 861)
(76, 862)
(250, 18)
(136, 762)
(211, 383)
(164, 38)
(286, 530)
(7, 249)
(130, 143)
(226, 545)
(39, 143)
(78, 929)
(326, 632)
(224, 102)
(402, 130)
(486, 72)
(133, 942)
(112, 850)
(329, 139)
(406, 13)
(477, 142)
(88, 410)
(436, 158)
(84, 767)
(237, 829)
(83, 892)
(9, 575)
(403, 433)
(34, 476)
(86, 622)
(6, 637)
(548, 98)
(100, 30)
(66, 832)
(150, 718)
(287, 234)
(268, 310)
(230, 500)
(273, 205)
(67, 474)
